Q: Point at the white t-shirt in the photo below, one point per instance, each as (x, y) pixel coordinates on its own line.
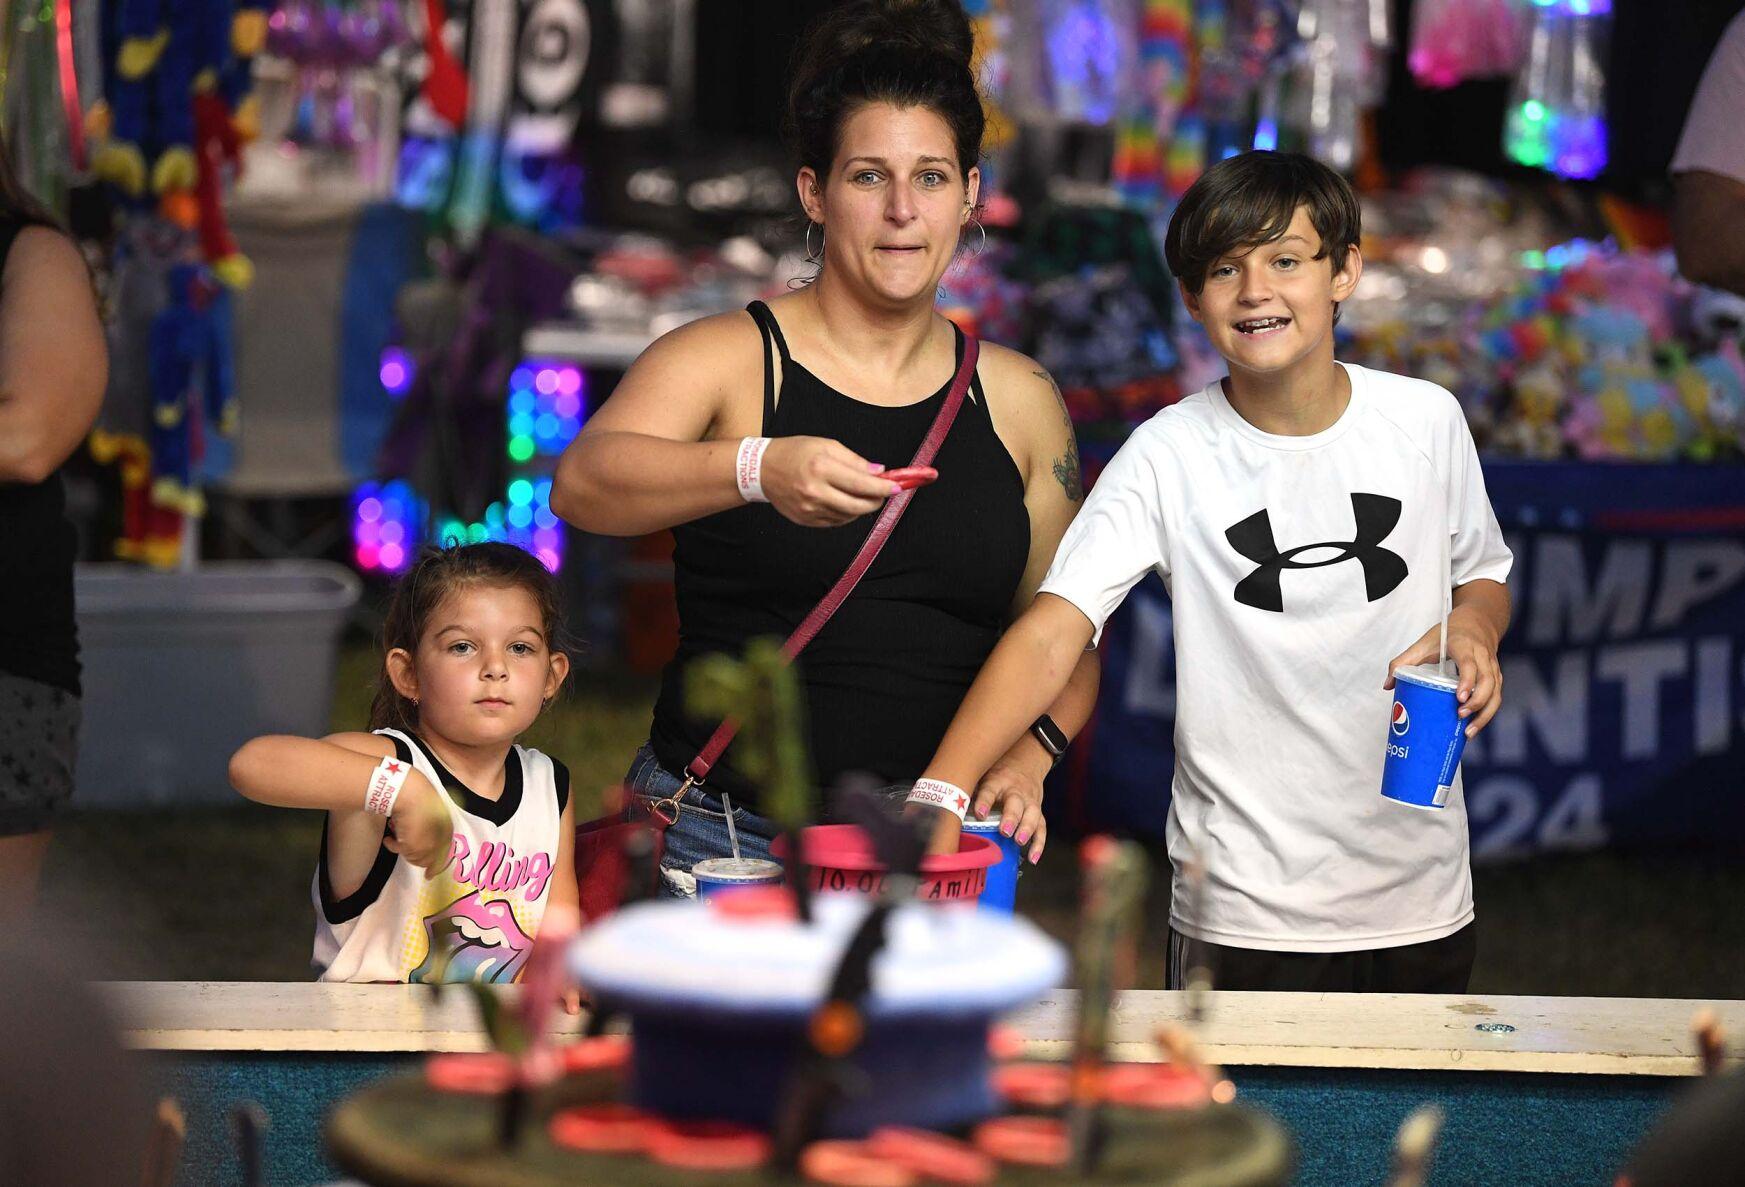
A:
(483, 909)
(1714, 130)
(1281, 718)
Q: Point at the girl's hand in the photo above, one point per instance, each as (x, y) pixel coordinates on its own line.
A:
(820, 483)
(421, 829)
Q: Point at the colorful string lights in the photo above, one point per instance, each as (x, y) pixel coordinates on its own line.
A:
(397, 372)
(387, 526)
(546, 409)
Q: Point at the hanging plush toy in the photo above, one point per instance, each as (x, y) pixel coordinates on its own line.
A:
(248, 37)
(147, 125)
(193, 384)
(134, 42)
(217, 140)
(173, 87)
(149, 533)
(220, 148)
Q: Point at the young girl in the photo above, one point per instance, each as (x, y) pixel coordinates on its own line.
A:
(445, 842)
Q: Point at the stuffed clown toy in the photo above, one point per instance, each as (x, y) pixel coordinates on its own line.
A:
(178, 76)
(178, 80)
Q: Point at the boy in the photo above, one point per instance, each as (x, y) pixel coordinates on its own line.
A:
(1293, 510)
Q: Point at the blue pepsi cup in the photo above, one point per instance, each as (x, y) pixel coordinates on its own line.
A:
(721, 875)
(1002, 888)
(1425, 738)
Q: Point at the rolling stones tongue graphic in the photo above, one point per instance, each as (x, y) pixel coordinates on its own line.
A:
(473, 940)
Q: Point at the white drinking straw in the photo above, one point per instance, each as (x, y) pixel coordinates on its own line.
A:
(733, 833)
(1447, 605)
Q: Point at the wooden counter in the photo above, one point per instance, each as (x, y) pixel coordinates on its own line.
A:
(1423, 1032)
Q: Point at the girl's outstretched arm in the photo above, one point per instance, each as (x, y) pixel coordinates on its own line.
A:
(334, 773)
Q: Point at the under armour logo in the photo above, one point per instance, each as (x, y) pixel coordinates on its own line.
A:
(1383, 570)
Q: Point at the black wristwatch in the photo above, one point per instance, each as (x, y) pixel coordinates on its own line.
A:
(1052, 737)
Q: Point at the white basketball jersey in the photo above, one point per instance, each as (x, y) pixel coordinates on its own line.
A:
(478, 917)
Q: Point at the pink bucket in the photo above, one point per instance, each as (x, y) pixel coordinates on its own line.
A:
(840, 857)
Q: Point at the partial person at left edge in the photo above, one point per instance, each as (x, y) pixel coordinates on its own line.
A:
(53, 369)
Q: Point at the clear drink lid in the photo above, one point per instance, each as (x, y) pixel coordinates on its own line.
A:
(1430, 676)
(736, 867)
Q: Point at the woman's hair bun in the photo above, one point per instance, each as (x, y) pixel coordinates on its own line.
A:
(904, 52)
(935, 26)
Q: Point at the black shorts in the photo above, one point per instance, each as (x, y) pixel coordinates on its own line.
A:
(39, 741)
(1434, 966)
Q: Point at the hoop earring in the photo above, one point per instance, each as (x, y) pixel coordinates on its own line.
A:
(983, 245)
(814, 257)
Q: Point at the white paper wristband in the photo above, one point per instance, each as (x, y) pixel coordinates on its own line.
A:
(937, 793)
(748, 469)
(385, 786)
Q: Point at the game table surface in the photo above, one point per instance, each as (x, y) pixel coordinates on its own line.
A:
(1536, 1089)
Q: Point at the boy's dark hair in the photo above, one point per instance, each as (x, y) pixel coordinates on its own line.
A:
(1250, 199)
(437, 573)
(908, 53)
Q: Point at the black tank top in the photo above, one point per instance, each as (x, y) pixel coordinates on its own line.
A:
(887, 672)
(38, 638)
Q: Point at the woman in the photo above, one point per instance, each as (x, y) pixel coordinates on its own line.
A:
(844, 377)
(52, 372)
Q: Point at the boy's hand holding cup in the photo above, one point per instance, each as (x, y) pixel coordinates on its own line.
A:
(1436, 710)
(1472, 645)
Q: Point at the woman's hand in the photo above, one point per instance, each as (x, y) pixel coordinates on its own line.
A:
(1014, 791)
(820, 483)
(422, 827)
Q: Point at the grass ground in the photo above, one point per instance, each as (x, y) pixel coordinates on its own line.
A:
(224, 894)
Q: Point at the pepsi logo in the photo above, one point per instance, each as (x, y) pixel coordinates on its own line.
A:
(1402, 720)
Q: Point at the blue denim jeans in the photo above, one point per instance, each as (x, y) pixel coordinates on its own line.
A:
(701, 829)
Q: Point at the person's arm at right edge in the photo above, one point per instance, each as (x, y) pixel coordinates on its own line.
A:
(1708, 210)
(1028, 670)
(1708, 229)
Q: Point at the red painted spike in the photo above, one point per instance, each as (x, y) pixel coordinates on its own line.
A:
(708, 1145)
(602, 1129)
(933, 1156)
(852, 1164)
(470, 1073)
